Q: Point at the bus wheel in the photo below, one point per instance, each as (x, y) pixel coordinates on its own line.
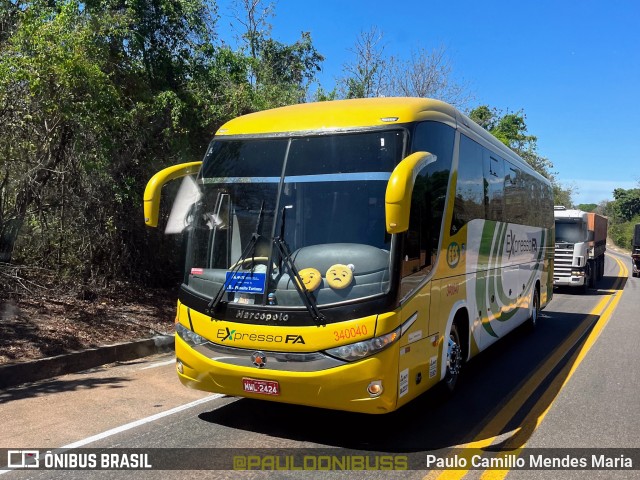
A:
(535, 312)
(454, 359)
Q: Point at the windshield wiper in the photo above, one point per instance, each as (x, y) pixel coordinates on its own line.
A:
(248, 251)
(285, 258)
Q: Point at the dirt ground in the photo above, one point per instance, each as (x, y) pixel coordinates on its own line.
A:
(45, 325)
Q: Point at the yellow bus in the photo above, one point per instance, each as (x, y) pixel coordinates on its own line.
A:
(353, 254)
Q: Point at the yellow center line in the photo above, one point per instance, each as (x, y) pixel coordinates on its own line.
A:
(504, 413)
(533, 420)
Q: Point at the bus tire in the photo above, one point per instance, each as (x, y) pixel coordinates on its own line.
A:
(454, 359)
(532, 322)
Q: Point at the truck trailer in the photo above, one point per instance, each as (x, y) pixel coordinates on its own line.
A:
(635, 251)
(581, 241)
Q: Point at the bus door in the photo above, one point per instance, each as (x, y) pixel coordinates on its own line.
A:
(418, 356)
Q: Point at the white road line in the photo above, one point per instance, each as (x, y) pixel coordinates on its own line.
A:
(159, 364)
(129, 426)
(137, 423)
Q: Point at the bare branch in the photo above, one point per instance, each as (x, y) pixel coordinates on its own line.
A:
(13, 280)
(428, 74)
(366, 76)
(253, 15)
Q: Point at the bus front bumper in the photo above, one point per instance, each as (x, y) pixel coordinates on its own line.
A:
(343, 387)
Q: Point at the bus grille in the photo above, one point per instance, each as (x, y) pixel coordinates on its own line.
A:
(563, 260)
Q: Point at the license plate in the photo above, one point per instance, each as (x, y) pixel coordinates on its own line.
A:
(264, 387)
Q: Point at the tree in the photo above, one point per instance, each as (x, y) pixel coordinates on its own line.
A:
(9, 13)
(278, 74)
(365, 76)
(285, 71)
(562, 195)
(626, 204)
(425, 73)
(587, 207)
(95, 97)
(624, 214)
(253, 16)
(54, 99)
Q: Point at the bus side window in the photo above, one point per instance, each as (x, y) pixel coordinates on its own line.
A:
(469, 201)
(493, 186)
(418, 239)
(427, 203)
(514, 195)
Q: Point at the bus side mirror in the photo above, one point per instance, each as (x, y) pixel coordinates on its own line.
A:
(154, 187)
(397, 198)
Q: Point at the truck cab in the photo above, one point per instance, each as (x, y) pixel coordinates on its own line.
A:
(579, 248)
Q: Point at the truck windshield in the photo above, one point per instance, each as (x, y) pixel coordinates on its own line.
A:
(323, 195)
(570, 232)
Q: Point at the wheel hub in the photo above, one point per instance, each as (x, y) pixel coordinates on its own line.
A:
(454, 358)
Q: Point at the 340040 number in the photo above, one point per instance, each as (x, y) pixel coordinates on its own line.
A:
(347, 333)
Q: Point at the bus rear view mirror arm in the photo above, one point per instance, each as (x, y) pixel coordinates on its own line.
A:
(400, 188)
(154, 188)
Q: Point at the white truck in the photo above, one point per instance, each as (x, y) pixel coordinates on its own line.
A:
(581, 240)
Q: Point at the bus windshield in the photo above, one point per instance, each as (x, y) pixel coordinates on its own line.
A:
(322, 195)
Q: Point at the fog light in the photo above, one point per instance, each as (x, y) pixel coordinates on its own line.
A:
(375, 388)
(179, 366)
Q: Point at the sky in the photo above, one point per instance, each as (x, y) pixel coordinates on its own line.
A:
(572, 66)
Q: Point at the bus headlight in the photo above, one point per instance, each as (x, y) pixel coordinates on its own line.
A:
(366, 348)
(188, 336)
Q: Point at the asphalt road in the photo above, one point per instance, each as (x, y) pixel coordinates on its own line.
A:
(572, 383)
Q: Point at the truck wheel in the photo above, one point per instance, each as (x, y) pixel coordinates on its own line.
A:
(588, 274)
(601, 268)
(593, 278)
(585, 286)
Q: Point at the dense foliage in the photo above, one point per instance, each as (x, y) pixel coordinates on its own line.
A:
(95, 97)
(624, 213)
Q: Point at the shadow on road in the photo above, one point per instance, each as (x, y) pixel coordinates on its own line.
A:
(606, 285)
(430, 422)
(57, 386)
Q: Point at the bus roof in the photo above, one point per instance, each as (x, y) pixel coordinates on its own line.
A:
(339, 115)
(321, 117)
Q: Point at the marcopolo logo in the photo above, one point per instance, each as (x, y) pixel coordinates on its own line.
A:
(265, 316)
(228, 335)
(516, 246)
